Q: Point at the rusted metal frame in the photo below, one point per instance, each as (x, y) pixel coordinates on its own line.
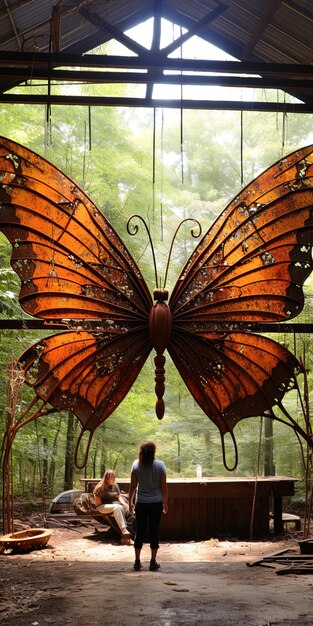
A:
(111, 101)
(156, 61)
(212, 326)
(9, 439)
(300, 432)
(107, 77)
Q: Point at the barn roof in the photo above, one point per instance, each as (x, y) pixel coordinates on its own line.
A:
(271, 41)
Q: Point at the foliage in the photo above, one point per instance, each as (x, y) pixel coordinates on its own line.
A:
(109, 153)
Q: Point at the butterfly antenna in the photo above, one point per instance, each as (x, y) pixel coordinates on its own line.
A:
(132, 230)
(194, 234)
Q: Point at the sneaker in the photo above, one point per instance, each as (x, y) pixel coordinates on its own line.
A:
(154, 566)
(137, 566)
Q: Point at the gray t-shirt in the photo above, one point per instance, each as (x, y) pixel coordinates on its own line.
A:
(149, 481)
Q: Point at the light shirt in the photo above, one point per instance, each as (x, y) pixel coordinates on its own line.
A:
(148, 481)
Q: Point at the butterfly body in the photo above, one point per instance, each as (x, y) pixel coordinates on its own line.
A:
(160, 328)
(250, 266)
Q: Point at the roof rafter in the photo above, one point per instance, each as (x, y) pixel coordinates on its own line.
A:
(116, 33)
(128, 70)
(17, 37)
(261, 26)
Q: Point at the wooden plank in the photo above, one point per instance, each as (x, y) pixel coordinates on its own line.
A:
(268, 558)
(217, 507)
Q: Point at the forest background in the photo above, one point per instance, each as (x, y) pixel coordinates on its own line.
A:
(165, 165)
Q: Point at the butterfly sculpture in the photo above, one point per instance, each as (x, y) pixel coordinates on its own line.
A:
(250, 266)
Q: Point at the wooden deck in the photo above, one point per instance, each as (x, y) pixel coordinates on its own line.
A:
(216, 507)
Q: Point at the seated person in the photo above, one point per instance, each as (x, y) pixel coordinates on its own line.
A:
(108, 499)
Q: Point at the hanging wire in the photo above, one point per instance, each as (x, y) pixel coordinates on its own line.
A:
(241, 148)
(48, 134)
(257, 473)
(277, 112)
(89, 129)
(84, 153)
(153, 166)
(181, 138)
(283, 140)
(181, 121)
(35, 50)
(161, 182)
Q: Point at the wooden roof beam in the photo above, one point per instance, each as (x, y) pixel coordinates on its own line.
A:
(17, 37)
(113, 101)
(158, 77)
(109, 29)
(272, 7)
(194, 30)
(152, 61)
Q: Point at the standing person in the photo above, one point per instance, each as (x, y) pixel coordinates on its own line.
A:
(108, 499)
(148, 481)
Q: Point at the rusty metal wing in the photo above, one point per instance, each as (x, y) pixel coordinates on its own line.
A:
(73, 266)
(86, 373)
(71, 262)
(250, 266)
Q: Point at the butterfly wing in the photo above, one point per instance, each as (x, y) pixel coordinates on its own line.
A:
(73, 265)
(71, 262)
(250, 266)
(233, 375)
(86, 373)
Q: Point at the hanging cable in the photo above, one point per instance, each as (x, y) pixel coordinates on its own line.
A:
(84, 153)
(241, 148)
(257, 473)
(153, 166)
(48, 106)
(277, 102)
(181, 138)
(181, 121)
(161, 183)
(284, 128)
(89, 128)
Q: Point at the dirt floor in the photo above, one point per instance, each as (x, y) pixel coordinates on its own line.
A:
(85, 577)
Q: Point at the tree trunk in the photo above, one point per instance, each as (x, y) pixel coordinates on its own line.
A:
(269, 466)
